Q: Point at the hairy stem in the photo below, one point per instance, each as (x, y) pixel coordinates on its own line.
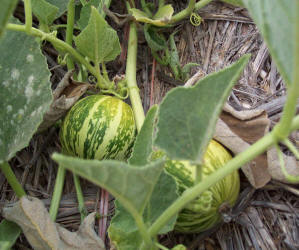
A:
(70, 30)
(80, 197)
(202, 4)
(58, 188)
(131, 77)
(12, 179)
(184, 13)
(28, 15)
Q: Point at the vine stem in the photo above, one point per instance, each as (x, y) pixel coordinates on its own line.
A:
(28, 15)
(50, 37)
(57, 193)
(70, 30)
(184, 13)
(254, 150)
(12, 179)
(80, 197)
(131, 77)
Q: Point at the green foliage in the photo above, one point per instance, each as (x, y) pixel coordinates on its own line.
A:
(161, 18)
(143, 146)
(86, 11)
(276, 21)
(25, 91)
(61, 4)
(9, 232)
(187, 116)
(154, 39)
(117, 178)
(123, 231)
(7, 7)
(234, 2)
(45, 12)
(98, 41)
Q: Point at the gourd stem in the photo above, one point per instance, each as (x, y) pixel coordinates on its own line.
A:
(131, 77)
(69, 30)
(256, 149)
(57, 193)
(202, 4)
(12, 179)
(80, 197)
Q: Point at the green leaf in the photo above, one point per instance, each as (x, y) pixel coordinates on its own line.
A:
(86, 11)
(154, 40)
(143, 146)
(161, 18)
(276, 22)
(187, 116)
(25, 91)
(132, 186)
(60, 4)
(123, 232)
(98, 41)
(9, 233)
(7, 8)
(44, 11)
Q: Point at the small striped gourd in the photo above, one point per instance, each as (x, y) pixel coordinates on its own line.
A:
(203, 213)
(99, 127)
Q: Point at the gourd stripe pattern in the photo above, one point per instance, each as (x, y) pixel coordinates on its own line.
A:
(203, 212)
(99, 127)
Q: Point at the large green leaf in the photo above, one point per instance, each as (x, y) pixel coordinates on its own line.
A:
(9, 232)
(98, 40)
(143, 145)
(25, 91)
(44, 11)
(7, 7)
(132, 186)
(276, 22)
(187, 116)
(123, 231)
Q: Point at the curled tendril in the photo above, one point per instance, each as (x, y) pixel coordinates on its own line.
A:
(195, 19)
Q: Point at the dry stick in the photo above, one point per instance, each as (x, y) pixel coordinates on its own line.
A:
(212, 35)
(152, 83)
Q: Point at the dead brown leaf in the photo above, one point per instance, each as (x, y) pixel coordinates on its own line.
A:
(65, 96)
(42, 233)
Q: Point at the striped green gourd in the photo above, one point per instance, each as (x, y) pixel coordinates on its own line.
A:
(203, 213)
(99, 127)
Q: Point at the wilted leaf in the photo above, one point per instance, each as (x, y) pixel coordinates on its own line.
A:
(276, 21)
(42, 233)
(161, 18)
(132, 186)
(143, 145)
(65, 96)
(98, 41)
(44, 11)
(7, 8)
(25, 91)
(187, 116)
(9, 232)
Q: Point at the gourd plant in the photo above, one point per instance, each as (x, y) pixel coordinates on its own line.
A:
(181, 127)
